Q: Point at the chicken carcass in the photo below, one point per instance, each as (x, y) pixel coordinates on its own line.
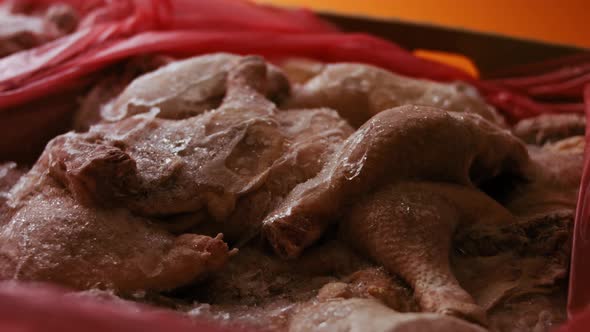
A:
(356, 315)
(127, 177)
(10, 172)
(383, 151)
(50, 236)
(553, 180)
(135, 203)
(100, 98)
(379, 161)
(265, 291)
(190, 87)
(358, 92)
(249, 155)
(550, 127)
(9, 175)
(518, 272)
(21, 29)
(402, 227)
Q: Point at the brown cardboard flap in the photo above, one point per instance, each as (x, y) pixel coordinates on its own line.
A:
(490, 52)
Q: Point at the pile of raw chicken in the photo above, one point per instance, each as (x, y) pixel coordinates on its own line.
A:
(300, 197)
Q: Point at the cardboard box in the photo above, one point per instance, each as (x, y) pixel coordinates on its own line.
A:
(491, 53)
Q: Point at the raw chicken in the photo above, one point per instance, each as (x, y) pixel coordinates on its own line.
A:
(187, 88)
(408, 213)
(550, 127)
(356, 315)
(100, 98)
(408, 228)
(9, 175)
(50, 236)
(518, 272)
(264, 291)
(301, 70)
(380, 158)
(383, 151)
(358, 92)
(249, 155)
(553, 180)
(21, 30)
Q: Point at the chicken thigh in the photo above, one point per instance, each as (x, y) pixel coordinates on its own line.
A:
(52, 237)
(21, 29)
(412, 202)
(409, 227)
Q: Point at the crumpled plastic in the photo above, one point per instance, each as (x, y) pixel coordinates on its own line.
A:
(115, 30)
(579, 288)
(34, 307)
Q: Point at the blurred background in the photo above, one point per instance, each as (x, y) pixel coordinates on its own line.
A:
(556, 21)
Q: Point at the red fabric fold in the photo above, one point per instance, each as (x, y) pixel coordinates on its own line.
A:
(126, 28)
(28, 307)
(579, 289)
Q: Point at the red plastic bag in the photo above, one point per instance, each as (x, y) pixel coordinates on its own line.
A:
(579, 288)
(31, 307)
(126, 28)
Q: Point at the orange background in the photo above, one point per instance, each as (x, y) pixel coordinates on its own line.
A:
(557, 21)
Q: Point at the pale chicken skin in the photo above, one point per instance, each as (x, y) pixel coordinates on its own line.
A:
(358, 92)
(10, 172)
(409, 240)
(365, 224)
(379, 157)
(356, 315)
(96, 105)
(547, 128)
(245, 150)
(21, 29)
(117, 178)
(189, 87)
(50, 236)
(480, 151)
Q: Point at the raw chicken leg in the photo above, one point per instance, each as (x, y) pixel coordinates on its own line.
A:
(457, 148)
(408, 227)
